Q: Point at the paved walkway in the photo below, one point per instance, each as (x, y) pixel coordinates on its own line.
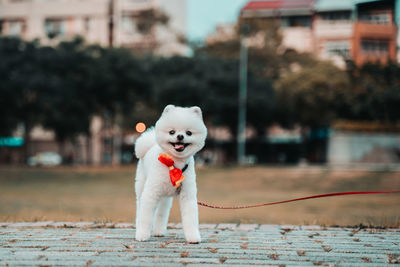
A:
(90, 244)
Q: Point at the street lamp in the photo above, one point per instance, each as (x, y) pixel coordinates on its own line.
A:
(241, 133)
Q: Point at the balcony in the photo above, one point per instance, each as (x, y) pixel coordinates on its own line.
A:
(375, 31)
(134, 6)
(342, 29)
(374, 42)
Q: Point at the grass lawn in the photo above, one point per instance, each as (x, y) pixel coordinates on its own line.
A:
(107, 194)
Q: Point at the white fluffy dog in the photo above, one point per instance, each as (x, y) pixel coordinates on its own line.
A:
(179, 133)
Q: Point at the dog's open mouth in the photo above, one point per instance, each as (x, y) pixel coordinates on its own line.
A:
(179, 146)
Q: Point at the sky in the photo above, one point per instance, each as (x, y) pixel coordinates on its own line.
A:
(204, 15)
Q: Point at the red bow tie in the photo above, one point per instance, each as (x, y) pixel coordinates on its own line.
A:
(175, 174)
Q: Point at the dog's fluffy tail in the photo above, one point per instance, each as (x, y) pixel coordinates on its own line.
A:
(145, 142)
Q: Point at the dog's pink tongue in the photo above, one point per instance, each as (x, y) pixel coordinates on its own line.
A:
(178, 146)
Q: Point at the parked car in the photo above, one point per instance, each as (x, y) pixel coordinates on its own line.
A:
(45, 159)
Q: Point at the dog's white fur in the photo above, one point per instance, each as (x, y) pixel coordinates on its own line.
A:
(154, 191)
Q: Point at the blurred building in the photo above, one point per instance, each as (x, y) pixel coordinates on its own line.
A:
(375, 32)
(114, 23)
(295, 18)
(361, 30)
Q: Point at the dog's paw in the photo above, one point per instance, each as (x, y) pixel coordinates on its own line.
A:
(193, 238)
(159, 232)
(158, 235)
(140, 236)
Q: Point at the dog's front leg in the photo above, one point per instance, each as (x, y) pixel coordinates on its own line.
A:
(190, 217)
(161, 216)
(148, 203)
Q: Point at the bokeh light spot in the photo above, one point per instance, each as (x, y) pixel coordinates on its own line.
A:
(140, 127)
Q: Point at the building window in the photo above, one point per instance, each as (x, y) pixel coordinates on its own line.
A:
(375, 47)
(336, 16)
(55, 27)
(382, 17)
(338, 48)
(86, 24)
(15, 27)
(296, 21)
(128, 24)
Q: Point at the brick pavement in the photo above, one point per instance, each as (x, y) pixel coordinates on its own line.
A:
(91, 244)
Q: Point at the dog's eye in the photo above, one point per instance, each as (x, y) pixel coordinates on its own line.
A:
(189, 133)
(172, 132)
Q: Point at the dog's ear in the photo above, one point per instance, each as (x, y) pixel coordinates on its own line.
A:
(197, 110)
(168, 108)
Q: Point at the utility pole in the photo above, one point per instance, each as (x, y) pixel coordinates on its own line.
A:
(111, 23)
(241, 133)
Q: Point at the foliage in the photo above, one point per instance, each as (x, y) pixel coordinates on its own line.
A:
(284, 68)
(62, 87)
(116, 78)
(310, 92)
(12, 56)
(375, 93)
(211, 83)
(66, 102)
(312, 96)
(22, 81)
(316, 95)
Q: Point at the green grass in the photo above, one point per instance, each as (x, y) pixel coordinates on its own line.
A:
(107, 194)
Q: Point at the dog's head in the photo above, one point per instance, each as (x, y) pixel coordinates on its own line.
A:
(180, 131)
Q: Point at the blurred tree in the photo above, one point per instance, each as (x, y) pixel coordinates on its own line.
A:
(312, 96)
(90, 81)
(177, 80)
(267, 59)
(211, 83)
(115, 79)
(117, 83)
(375, 93)
(391, 99)
(20, 89)
(62, 87)
(67, 102)
(11, 54)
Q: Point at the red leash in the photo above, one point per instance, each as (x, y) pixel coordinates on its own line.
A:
(297, 199)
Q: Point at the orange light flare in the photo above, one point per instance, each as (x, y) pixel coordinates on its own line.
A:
(140, 127)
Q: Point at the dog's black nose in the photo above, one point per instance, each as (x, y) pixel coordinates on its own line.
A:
(180, 137)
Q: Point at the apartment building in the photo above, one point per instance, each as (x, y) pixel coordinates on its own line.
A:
(361, 30)
(106, 22)
(375, 32)
(333, 30)
(295, 16)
